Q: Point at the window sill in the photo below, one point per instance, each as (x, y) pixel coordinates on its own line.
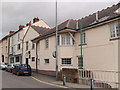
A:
(66, 65)
(114, 38)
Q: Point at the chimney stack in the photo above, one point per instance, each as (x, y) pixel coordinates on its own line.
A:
(97, 17)
(21, 27)
(36, 19)
(28, 24)
(11, 32)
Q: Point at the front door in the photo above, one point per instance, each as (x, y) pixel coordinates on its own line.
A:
(26, 60)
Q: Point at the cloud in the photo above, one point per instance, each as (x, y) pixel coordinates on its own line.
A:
(17, 13)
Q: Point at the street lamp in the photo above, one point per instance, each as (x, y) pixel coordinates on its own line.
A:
(56, 44)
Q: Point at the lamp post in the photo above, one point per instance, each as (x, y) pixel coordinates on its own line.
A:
(56, 44)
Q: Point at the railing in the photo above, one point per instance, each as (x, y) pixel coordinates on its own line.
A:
(104, 79)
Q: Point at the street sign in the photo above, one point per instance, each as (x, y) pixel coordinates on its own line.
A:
(54, 54)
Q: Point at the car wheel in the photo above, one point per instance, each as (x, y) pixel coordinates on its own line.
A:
(30, 74)
(18, 73)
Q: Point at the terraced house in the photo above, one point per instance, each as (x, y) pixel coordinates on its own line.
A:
(100, 43)
(17, 43)
(4, 48)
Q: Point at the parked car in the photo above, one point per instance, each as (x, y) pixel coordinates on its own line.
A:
(22, 69)
(3, 66)
(10, 67)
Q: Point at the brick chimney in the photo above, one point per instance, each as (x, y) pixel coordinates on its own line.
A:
(21, 27)
(36, 19)
(11, 32)
(28, 23)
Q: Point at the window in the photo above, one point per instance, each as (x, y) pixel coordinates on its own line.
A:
(18, 36)
(17, 59)
(46, 61)
(26, 46)
(66, 39)
(46, 43)
(80, 62)
(33, 59)
(33, 45)
(115, 30)
(18, 46)
(12, 49)
(66, 60)
(83, 38)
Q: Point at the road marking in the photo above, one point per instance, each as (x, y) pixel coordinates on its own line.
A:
(48, 83)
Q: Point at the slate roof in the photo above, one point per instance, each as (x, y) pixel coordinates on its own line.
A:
(68, 24)
(103, 15)
(40, 30)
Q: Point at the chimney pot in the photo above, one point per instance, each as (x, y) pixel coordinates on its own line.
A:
(21, 27)
(11, 32)
(36, 19)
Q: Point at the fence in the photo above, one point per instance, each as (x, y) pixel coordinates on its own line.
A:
(104, 79)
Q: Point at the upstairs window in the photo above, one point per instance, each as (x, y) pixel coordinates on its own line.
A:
(26, 46)
(46, 43)
(18, 36)
(83, 38)
(33, 59)
(33, 46)
(18, 46)
(115, 30)
(66, 39)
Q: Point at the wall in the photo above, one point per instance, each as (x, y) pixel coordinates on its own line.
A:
(30, 34)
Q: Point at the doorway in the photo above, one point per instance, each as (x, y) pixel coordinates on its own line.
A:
(27, 61)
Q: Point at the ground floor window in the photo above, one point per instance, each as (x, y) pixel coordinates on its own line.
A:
(46, 61)
(80, 62)
(66, 60)
(33, 59)
(17, 59)
(12, 60)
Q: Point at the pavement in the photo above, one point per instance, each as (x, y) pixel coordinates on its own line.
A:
(52, 80)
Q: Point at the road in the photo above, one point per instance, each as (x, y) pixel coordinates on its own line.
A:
(12, 81)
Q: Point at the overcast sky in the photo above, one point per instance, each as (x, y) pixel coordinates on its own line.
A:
(19, 13)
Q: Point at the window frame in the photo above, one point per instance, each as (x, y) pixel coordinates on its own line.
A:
(46, 43)
(65, 39)
(46, 60)
(64, 61)
(33, 59)
(113, 33)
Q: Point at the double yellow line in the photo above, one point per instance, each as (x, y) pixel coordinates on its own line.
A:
(49, 83)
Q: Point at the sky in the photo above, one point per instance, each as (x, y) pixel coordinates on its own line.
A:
(15, 13)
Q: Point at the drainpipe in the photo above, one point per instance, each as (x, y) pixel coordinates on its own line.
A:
(36, 58)
(22, 53)
(81, 56)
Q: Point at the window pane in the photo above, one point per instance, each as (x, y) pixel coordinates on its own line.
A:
(66, 60)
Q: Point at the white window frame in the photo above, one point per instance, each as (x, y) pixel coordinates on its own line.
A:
(115, 30)
(66, 61)
(46, 43)
(63, 39)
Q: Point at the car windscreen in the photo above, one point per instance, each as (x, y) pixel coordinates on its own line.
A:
(25, 66)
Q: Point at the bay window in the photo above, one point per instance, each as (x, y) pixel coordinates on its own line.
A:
(115, 30)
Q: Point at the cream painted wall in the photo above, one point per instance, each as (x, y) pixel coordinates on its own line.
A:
(41, 23)
(30, 34)
(4, 49)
